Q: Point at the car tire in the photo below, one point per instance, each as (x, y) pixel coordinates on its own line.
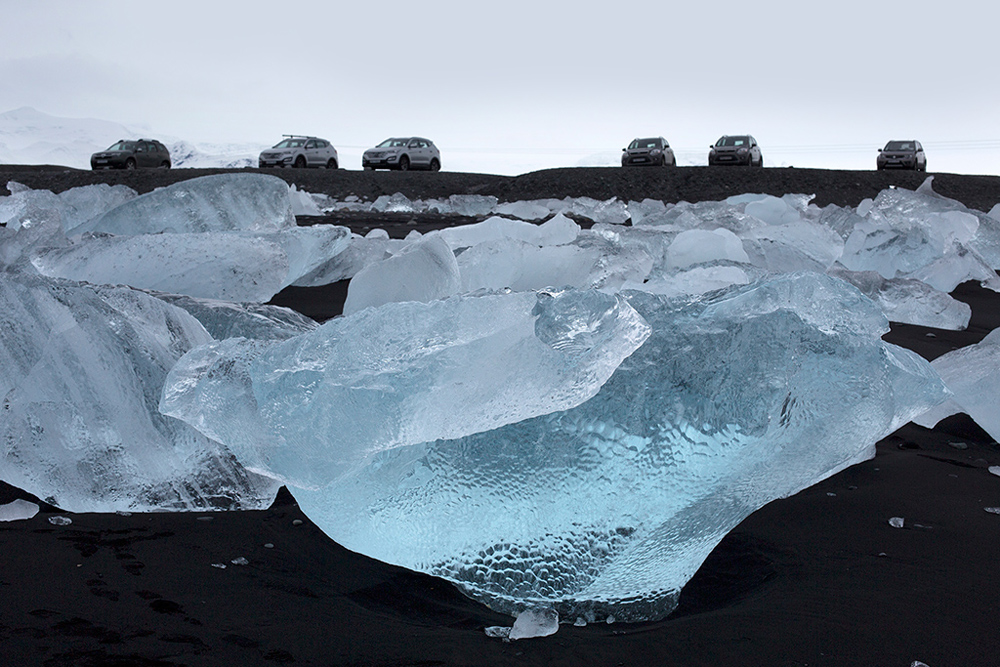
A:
(164, 165)
(332, 164)
(404, 163)
(300, 162)
(130, 164)
(673, 161)
(369, 168)
(435, 165)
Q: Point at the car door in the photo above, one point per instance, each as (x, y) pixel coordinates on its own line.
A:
(418, 153)
(141, 154)
(311, 151)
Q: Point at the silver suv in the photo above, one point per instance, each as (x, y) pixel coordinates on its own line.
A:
(403, 153)
(652, 151)
(738, 149)
(300, 151)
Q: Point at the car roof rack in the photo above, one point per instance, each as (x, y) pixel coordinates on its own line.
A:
(299, 136)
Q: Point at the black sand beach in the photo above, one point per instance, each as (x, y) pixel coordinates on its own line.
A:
(820, 578)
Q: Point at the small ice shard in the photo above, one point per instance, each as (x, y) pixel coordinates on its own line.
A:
(523, 210)
(972, 373)
(580, 622)
(498, 632)
(995, 470)
(697, 246)
(240, 561)
(221, 566)
(302, 202)
(60, 520)
(992, 510)
(306, 409)
(425, 271)
(471, 205)
(536, 622)
(557, 231)
(216, 203)
(397, 203)
(18, 510)
(896, 522)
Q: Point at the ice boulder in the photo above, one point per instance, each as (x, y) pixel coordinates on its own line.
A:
(696, 246)
(225, 319)
(216, 203)
(70, 208)
(310, 409)
(81, 372)
(973, 374)
(909, 301)
(558, 230)
(424, 271)
(736, 399)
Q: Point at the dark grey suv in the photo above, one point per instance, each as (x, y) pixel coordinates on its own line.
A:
(652, 151)
(737, 149)
(132, 154)
(403, 153)
(902, 155)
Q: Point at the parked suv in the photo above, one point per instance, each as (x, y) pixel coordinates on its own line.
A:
(403, 153)
(653, 151)
(902, 155)
(736, 149)
(300, 151)
(132, 154)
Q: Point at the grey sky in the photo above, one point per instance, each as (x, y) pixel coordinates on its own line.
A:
(817, 84)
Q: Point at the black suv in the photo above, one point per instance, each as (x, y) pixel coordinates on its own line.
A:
(902, 155)
(132, 154)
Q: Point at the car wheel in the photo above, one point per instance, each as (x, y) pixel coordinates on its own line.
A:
(404, 163)
(332, 164)
(435, 165)
(369, 168)
(165, 165)
(300, 162)
(130, 163)
(673, 161)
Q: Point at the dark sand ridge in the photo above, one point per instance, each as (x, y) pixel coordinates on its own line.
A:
(820, 578)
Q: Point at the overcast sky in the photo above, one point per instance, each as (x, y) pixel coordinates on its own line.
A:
(818, 84)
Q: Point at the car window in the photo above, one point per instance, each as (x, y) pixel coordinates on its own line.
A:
(140, 148)
(732, 141)
(899, 146)
(310, 144)
(290, 143)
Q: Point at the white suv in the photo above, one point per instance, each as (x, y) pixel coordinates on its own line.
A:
(299, 151)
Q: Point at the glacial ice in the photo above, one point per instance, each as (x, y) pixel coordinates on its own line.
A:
(81, 371)
(909, 301)
(216, 203)
(225, 319)
(70, 208)
(737, 398)
(18, 510)
(535, 622)
(973, 374)
(233, 266)
(316, 406)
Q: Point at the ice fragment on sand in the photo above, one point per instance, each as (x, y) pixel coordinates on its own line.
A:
(60, 520)
(972, 373)
(736, 398)
(240, 561)
(498, 632)
(217, 203)
(536, 622)
(896, 522)
(995, 470)
(18, 510)
(992, 510)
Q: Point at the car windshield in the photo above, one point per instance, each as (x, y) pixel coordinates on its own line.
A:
(291, 143)
(644, 143)
(899, 146)
(122, 146)
(393, 143)
(732, 141)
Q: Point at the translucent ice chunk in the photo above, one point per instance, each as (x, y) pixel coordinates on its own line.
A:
(523, 210)
(425, 271)
(309, 408)
(221, 202)
(737, 398)
(224, 319)
(557, 231)
(536, 622)
(973, 374)
(909, 301)
(70, 208)
(696, 246)
(81, 371)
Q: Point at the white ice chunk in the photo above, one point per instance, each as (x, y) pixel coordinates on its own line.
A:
(303, 203)
(737, 398)
(224, 319)
(69, 208)
(221, 202)
(557, 231)
(697, 246)
(523, 210)
(19, 510)
(799, 246)
(973, 374)
(425, 271)
(307, 409)
(537, 622)
(81, 371)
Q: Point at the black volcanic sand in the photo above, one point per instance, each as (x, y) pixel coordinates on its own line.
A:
(820, 578)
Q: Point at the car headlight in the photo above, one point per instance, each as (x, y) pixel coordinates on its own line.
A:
(655, 151)
(742, 151)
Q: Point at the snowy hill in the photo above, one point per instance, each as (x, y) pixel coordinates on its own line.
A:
(28, 136)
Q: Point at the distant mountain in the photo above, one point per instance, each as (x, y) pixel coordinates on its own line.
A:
(28, 136)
